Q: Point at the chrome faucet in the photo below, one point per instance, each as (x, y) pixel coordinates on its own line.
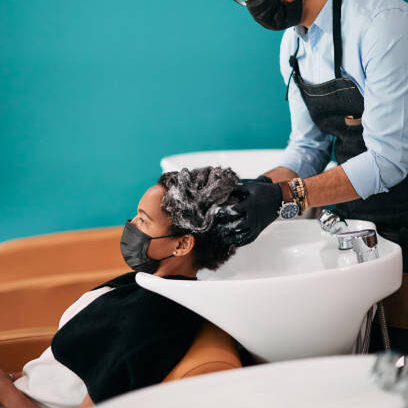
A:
(331, 222)
(363, 243)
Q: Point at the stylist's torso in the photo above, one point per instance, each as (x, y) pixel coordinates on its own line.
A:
(349, 88)
(374, 151)
(345, 63)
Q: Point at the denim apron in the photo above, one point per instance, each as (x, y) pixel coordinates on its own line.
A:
(336, 107)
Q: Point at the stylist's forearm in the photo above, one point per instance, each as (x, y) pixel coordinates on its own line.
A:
(330, 187)
(280, 174)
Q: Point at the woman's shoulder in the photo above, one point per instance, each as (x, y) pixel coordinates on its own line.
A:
(81, 303)
(121, 280)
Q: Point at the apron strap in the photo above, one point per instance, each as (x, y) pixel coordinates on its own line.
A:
(337, 44)
(293, 62)
(338, 47)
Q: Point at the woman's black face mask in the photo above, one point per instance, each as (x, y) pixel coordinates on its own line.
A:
(134, 244)
(276, 14)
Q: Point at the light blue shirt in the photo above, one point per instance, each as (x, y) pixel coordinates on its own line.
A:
(375, 57)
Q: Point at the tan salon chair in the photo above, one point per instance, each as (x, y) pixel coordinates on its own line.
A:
(41, 276)
(213, 350)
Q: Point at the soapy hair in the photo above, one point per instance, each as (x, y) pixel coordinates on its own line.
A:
(192, 200)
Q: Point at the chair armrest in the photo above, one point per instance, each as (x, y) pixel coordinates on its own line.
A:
(17, 347)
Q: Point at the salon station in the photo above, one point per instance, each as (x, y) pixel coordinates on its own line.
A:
(240, 242)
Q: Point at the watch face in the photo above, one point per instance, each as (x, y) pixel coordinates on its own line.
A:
(289, 210)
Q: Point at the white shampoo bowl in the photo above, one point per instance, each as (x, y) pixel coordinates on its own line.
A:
(290, 294)
(246, 163)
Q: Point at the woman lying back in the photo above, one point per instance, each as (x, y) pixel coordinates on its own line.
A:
(120, 337)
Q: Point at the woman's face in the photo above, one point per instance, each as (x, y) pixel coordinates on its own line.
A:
(154, 222)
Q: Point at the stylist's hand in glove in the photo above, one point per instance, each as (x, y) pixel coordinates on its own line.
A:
(260, 200)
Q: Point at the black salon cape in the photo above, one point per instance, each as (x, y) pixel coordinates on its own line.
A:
(126, 339)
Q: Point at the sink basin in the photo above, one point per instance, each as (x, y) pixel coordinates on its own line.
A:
(291, 293)
(246, 163)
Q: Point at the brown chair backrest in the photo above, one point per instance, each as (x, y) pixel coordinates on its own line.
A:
(213, 350)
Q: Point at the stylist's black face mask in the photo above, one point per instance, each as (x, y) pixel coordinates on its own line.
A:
(134, 244)
(276, 14)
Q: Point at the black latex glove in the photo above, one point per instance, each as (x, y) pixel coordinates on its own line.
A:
(259, 203)
(261, 178)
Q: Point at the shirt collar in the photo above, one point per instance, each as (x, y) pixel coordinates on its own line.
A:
(323, 21)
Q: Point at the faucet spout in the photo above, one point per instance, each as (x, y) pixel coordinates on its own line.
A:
(331, 222)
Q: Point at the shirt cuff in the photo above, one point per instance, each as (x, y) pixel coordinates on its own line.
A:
(364, 175)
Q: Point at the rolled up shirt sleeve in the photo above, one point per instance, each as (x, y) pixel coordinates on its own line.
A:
(384, 58)
(308, 150)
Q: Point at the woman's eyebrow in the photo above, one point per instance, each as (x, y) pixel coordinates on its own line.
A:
(146, 214)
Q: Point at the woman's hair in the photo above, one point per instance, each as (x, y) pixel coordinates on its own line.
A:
(192, 200)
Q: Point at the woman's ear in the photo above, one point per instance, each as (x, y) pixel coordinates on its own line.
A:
(185, 245)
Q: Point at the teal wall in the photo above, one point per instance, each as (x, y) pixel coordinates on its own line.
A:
(94, 92)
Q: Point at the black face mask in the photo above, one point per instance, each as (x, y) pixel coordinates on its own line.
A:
(276, 14)
(134, 244)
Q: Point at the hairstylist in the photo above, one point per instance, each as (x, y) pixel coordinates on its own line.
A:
(345, 64)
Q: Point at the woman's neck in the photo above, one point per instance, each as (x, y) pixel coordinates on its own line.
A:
(176, 266)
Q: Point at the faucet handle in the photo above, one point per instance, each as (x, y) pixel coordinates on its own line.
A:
(363, 242)
(368, 236)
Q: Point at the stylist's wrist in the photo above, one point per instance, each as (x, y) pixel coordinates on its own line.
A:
(279, 174)
(287, 195)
